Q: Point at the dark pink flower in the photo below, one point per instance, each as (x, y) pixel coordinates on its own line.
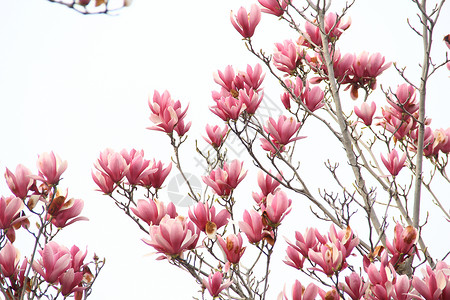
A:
(223, 181)
(215, 284)
(152, 211)
(404, 244)
(10, 208)
(68, 213)
(55, 260)
(366, 112)
(294, 258)
(404, 99)
(287, 56)
(328, 259)
(334, 27)
(277, 206)
(251, 100)
(232, 247)
(245, 23)
(393, 164)
(70, 282)
(299, 292)
(252, 78)
(252, 226)
(282, 131)
(354, 286)
(156, 179)
(228, 108)
(104, 182)
(20, 182)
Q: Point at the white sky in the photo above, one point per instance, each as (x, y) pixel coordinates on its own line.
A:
(78, 84)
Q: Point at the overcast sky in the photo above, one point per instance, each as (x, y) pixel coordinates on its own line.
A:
(78, 84)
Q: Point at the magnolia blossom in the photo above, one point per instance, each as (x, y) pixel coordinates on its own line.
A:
(9, 260)
(216, 135)
(267, 184)
(55, 260)
(50, 168)
(70, 282)
(404, 99)
(287, 56)
(152, 211)
(226, 79)
(404, 243)
(328, 259)
(232, 247)
(435, 283)
(68, 213)
(20, 182)
(366, 112)
(112, 164)
(158, 175)
(354, 286)
(206, 219)
(393, 163)
(104, 182)
(10, 208)
(334, 27)
(294, 258)
(277, 207)
(215, 284)
(172, 236)
(299, 292)
(251, 100)
(223, 181)
(251, 77)
(282, 131)
(245, 23)
(252, 226)
(274, 7)
(228, 108)
(138, 168)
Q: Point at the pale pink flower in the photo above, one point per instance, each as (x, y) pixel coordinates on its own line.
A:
(104, 182)
(252, 78)
(156, 179)
(206, 219)
(223, 181)
(70, 282)
(10, 208)
(68, 213)
(50, 168)
(152, 211)
(216, 135)
(167, 114)
(274, 7)
(245, 23)
(9, 260)
(252, 226)
(228, 108)
(393, 164)
(232, 247)
(54, 261)
(277, 207)
(442, 140)
(354, 286)
(172, 236)
(251, 100)
(287, 56)
(215, 284)
(366, 112)
(112, 164)
(299, 292)
(282, 131)
(20, 182)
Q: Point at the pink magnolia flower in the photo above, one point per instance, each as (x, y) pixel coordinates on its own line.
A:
(10, 208)
(283, 130)
(294, 258)
(68, 213)
(354, 286)
(78, 256)
(228, 108)
(274, 7)
(9, 260)
(393, 163)
(404, 99)
(206, 219)
(138, 168)
(216, 135)
(215, 284)
(50, 168)
(20, 182)
(442, 140)
(113, 164)
(287, 56)
(251, 100)
(152, 211)
(435, 283)
(403, 245)
(172, 236)
(70, 282)
(156, 179)
(104, 182)
(329, 259)
(272, 146)
(223, 181)
(396, 123)
(232, 247)
(299, 292)
(400, 288)
(345, 240)
(277, 207)
(312, 98)
(334, 27)
(366, 112)
(342, 66)
(267, 184)
(245, 23)
(55, 260)
(227, 80)
(252, 226)
(167, 114)
(252, 77)
(303, 243)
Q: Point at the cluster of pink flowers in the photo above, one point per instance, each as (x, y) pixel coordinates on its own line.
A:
(239, 92)
(224, 180)
(112, 167)
(311, 98)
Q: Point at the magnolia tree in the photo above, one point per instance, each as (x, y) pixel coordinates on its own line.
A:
(375, 246)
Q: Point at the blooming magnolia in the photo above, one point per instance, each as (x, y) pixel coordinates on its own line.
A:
(158, 175)
(404, 243)
(20, 182)
(334, 27)
(366, 112)
(245, 23)
(112, 164)
(252, 226)
(232, 247)
(251, 77)
(282, 131)
(216, 135)
(287, 56)
(104, 182)
(10, 208)
(223, 181)
(172, 236)
(228, 108)
(274, 7)
(68, 213)
(277, 207)
(152, 211)
(70, 282)
(50, 168)
(55, 260)
(215, 284)
(354, 286)
(207, 220)
(9, 259)
(393, 163)
(299, 292)
(251, 100)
